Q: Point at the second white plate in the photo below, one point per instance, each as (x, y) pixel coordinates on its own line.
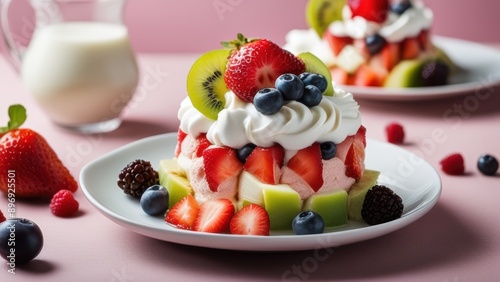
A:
(416, 181)
(480, 70)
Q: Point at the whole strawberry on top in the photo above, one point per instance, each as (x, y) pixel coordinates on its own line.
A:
(27, 155)
(255, 64)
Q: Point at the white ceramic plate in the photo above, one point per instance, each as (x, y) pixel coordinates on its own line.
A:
(480, 70)
(412, 178)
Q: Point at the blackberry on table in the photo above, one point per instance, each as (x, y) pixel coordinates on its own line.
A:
(136, 177)
(381, 205)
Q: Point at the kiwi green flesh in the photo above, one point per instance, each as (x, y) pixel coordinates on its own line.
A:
(406, 74)
(315, 65)
(320, 13)
(205, 83)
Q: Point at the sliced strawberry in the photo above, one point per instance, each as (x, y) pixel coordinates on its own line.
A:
(214, 216)
(250, 220)
(410, 48)
(372, 10)
(307, 163)
(220, 164)
(202, 144)
(367, 76)
(183, 214)
(361, 47)
(256, 64)
(361, 135)
(424, 40)
(337, 43)
(339, 76)
(390, 55)
(265, 163)
(355, 160)
(181, 135)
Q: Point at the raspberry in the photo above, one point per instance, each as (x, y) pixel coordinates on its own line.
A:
(2, 217)
(395, 133)
(136, 177)
(381, 205)
(63, 204)
(453, 164)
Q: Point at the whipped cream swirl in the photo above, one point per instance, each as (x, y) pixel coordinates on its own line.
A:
(294, 127)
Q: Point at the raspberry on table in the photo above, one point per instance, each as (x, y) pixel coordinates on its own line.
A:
(453, 164)
(395, 133)
(63, 204)
(136, 177)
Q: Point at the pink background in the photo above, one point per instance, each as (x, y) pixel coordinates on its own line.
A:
(196, 26)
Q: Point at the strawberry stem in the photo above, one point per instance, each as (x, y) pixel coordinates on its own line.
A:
(236, 43)
(17, 116)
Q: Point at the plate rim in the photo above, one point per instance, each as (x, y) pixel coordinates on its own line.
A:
(248, 243)
(433, 92)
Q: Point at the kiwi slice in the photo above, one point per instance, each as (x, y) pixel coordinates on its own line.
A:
(320, 13)
(205, 83)
(315, 65)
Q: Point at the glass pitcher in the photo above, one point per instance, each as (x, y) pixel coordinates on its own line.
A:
(79, 64)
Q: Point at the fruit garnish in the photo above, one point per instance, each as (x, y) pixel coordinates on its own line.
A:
(395, 133)
(398, 7)
(328, 150)
(245, 151)
(250, 220)
(332, 207)
(214, 216)
(381, 205)
(487, 164)
(374, 43)
(205, 83)
(315, 65)
(265, 163)
(453, 164)
(390, 55)
(256, 64)
(355, 158)
(435, 73)
(290, 85)
(308, 222)
(410, 48)
(136, 177)
(312, 96)
(201, 144)
(320, 13)
(406, 74)
(181, 135)
(183, 214)
(268, 101)
(63, 204)
(308, 165)
(371, 10)
(172, 177)
(357, 193)
(27, 153)
(28, 240)
(220, 164)
(154, 201)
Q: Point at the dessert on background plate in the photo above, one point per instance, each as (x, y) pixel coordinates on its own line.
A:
(382, 43)
(265, 143)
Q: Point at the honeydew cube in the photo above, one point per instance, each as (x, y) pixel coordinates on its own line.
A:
(357, 193)
(172, 177)
(349, 59)
(332, 207)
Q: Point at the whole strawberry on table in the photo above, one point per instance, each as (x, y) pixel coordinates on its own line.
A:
(38, 170)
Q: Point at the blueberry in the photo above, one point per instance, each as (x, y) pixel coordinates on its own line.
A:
(308, 222)
(328, 150)
(154, 201)
(21, 240)
(290, 86)
(487, 165)
(374, 43)
(245, 151)
(268, 101)
(314, 79)
(312, 96)
(399, 7)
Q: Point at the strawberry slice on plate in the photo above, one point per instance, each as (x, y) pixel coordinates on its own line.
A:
(355, 158)
(265, 163)
(184, 213)
(250, 220)
(214, 216)
(220, 164)
(307, 163)
(255, 64)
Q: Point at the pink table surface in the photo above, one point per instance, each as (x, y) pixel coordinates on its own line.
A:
(458, 240)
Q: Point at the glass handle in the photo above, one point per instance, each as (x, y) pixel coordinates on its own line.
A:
(13, 52)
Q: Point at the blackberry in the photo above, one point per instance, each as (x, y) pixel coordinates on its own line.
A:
(435, 73)
(136, 177)
(381, 205)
